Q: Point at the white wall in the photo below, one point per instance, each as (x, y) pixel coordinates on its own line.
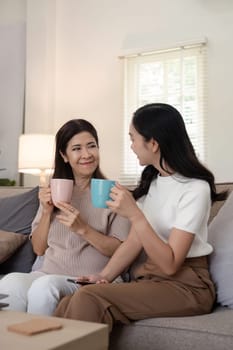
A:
(40, 67)
(91, 35)
(12, 77)
(81, 75)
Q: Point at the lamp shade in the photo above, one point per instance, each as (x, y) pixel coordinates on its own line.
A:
(36, 153)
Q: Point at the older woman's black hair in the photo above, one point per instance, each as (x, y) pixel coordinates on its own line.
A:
(164, 124)
(65, 133)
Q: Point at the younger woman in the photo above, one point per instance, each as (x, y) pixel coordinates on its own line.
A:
(168, 221)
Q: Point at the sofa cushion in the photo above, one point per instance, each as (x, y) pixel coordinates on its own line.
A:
(221, 260)
(9, 243)
(17, 212)
(21, 261)
(227, 186)
(16, 215)
(213, 331)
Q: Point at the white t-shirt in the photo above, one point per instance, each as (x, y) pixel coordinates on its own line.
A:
(179, 202)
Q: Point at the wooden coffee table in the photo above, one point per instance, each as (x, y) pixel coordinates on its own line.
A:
(75, 335)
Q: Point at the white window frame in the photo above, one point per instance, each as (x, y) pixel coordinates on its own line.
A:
(184, 91)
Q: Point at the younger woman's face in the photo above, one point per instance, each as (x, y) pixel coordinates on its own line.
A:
(82, 153)
(144, 150)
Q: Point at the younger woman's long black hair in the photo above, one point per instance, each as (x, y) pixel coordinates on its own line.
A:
(164, 124)
(63, 170)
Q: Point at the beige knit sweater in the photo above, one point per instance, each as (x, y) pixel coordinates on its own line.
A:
(67, 252)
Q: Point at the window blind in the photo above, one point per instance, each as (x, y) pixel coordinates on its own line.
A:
(176, 76)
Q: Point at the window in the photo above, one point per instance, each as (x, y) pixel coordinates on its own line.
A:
(175, 76)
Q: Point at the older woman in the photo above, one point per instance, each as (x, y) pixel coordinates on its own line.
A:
(74, 238)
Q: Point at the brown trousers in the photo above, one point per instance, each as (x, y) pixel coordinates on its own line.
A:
(189, 292)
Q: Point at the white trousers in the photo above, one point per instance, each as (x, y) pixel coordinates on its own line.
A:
(35, 292)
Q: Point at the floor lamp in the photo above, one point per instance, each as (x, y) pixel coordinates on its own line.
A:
(36, 155)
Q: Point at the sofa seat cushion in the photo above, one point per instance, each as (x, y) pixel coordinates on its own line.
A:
(210, 332)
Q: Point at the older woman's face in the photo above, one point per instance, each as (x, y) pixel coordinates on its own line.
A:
(82, 153)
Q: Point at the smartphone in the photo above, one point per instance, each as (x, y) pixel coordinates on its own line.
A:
(82, 283)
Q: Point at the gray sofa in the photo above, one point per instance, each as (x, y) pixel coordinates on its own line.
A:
(210, 332)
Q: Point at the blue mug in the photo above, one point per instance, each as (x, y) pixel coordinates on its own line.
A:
(100, 190)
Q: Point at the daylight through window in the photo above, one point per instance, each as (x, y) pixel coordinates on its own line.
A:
(176, 76)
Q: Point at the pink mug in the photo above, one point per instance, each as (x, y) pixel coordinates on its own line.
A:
(61, 190)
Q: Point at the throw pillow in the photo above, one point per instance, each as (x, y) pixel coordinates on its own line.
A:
(16, 215)
(221, 260)
(9, 243)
